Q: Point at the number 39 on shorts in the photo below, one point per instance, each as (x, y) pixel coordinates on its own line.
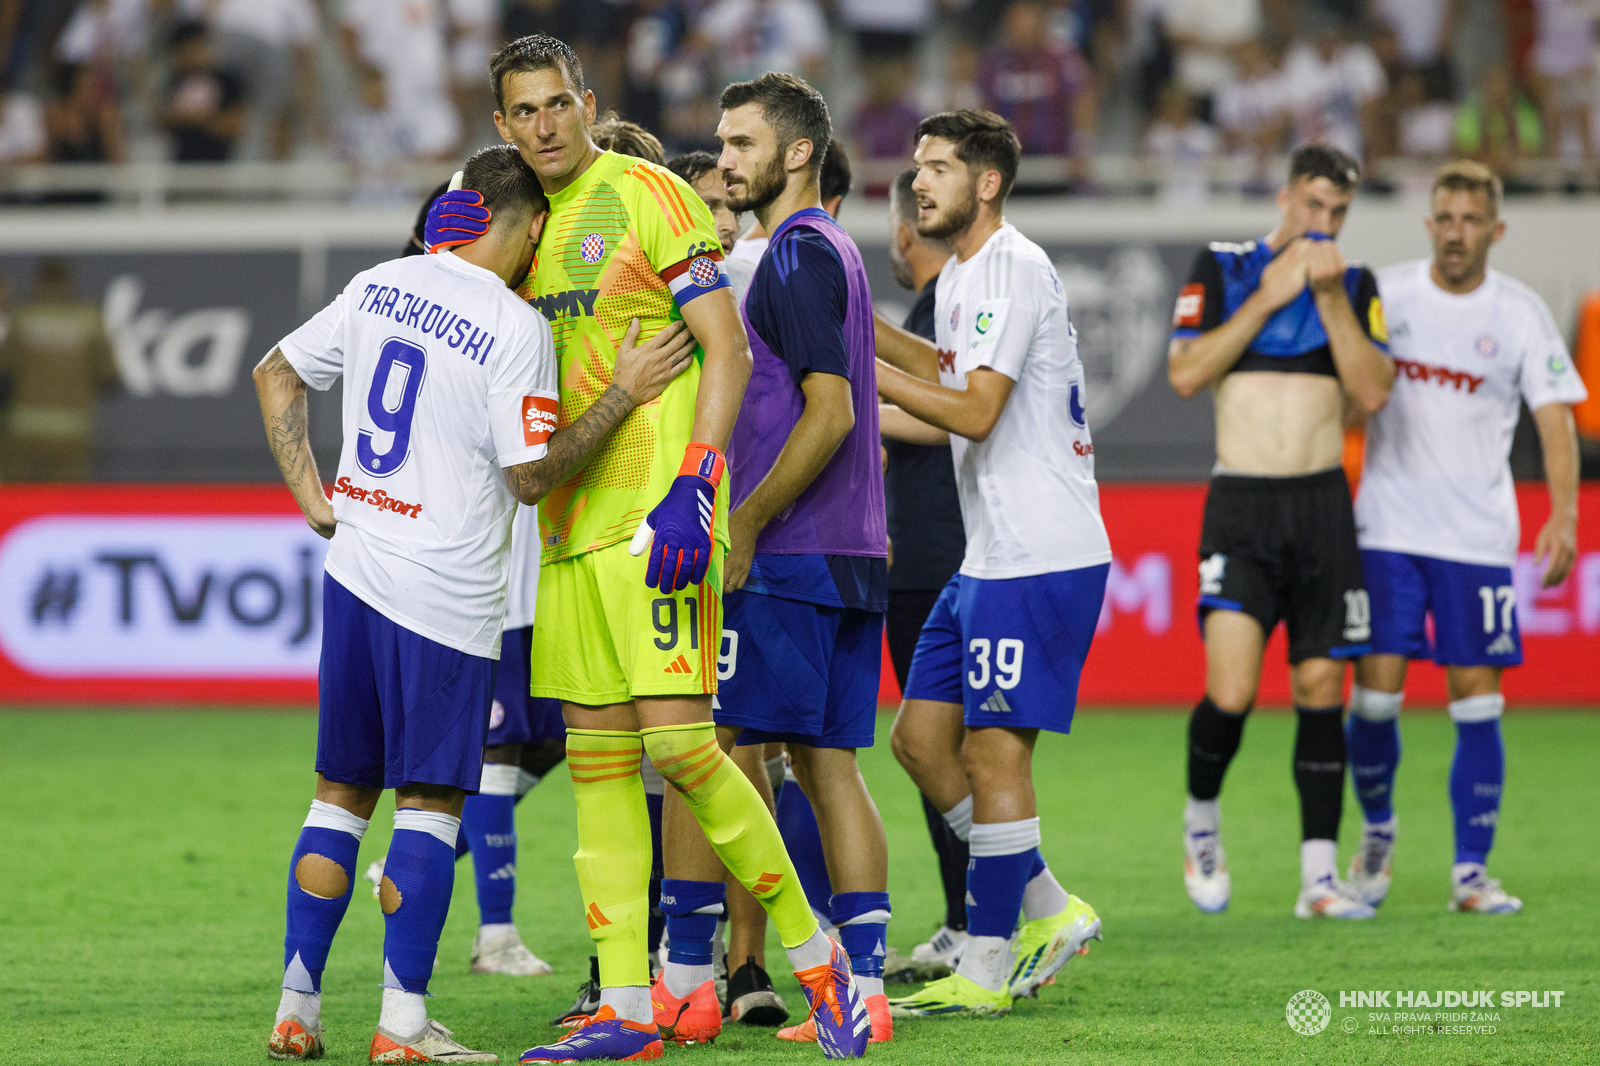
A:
(1007, 665)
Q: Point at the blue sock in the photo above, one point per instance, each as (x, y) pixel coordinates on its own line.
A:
(489, 825)
(313, 916)
(1004, 857)
(422, 867)
(797, 823)
(1374, 749)
(1477, 775)
(658, 921)
(863, 922)
(692, 909)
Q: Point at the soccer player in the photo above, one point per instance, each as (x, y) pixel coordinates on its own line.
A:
(450, 399)
(1285, 334)
(629, 642)
(1437, 519)
(924, 511)
(1000, 655)
(700, 170)
(806, 575)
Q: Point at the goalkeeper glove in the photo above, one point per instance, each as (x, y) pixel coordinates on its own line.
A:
(456, 217)
(678, 531)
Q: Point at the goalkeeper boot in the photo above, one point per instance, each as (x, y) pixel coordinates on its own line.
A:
(293, 1040)
(1371, 868)
(1046, 944)
(694, 1019)
(601, 1037)
(1474, 892)
(837, 1009)
(953, 995)
(434, 1043)
(877, 1013)
(1205, 871)
(504, 952)
(1329, 897)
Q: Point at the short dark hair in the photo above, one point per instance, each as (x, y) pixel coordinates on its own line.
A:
(692, 166)
(905, 200)
(835, 178)
(186, 31)
(1469, 175)
(793, 109)
(626, 138)
(983, 140)
(504, 178)
(537, 51)
(1324, 161)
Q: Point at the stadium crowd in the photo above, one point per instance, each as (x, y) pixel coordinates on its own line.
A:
(1180, 83)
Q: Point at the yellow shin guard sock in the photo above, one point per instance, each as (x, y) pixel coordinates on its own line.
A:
(735, 820)
(613, 856)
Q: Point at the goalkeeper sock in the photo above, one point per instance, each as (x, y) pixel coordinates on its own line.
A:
(1002, 858)
(862, 919)
(1477, 774)
(797, 822)
(321, 873)
(1214, 737)
(418, 878)
(737, 824)
(692, 909)
(1043, 897)
(613, 857)
(1372, 736)
(488, 823)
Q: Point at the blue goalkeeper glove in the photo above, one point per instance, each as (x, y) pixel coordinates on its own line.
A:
(456, 217)
(678, 531)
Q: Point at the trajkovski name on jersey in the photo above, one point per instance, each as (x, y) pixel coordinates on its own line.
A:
(1028, 495)
(448, 378)
(1437, 480)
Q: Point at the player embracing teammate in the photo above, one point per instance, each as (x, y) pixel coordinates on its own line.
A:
(1000, 656)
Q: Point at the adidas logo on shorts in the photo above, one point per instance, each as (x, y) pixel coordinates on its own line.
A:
(1503, 645)
(996, 704)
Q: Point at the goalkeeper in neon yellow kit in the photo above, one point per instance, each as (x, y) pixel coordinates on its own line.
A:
(629, 619)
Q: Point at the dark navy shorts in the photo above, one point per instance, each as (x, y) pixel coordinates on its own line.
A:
(393, 707)
(1010, 651)
(1473, 607)
(798, 672)
(516, 717)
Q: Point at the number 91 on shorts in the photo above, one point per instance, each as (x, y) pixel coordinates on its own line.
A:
(1010, 651)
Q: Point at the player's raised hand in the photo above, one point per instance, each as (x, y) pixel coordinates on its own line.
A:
(678, 532)
(1556, 549)
(1325, 267)
(457, 217)
(1285, 277)
(645, 370)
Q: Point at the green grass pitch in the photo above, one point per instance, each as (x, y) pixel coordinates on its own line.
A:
(145, 857)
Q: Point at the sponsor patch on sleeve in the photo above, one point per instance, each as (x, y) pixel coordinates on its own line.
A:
(1191, 307)
(538, 419)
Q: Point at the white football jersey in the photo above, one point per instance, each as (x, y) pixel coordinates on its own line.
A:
(448, 377)
(1437, 480)
(1028, 495)
(522, 588)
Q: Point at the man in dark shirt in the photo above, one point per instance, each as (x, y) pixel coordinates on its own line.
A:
(926, 542)
(203, 107)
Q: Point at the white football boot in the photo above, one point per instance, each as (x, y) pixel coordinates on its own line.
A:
(1329, 897)
(1474, 892)
(1205, 871)
(1371, 868)
(504, 952)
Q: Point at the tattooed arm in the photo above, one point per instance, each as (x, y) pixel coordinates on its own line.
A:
(283, 408)
(642, 373)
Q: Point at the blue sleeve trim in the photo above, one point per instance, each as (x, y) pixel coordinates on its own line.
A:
(1220, 603)
(1350, 651)
(1184, 334)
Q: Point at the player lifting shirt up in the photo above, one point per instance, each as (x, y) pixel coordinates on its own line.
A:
(449, 407)
(629, 642)
(1286, 334)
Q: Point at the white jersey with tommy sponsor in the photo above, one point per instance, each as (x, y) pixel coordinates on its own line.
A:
(1028, 494)
(448, 377)
(1437, 480)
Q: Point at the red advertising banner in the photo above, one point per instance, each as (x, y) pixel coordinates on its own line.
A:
(206, 593)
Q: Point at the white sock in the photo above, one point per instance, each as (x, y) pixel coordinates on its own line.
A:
(1462, 872)
(1318, 859)
(498, 779)
(525, 782)
(1375, 706)
(404, 1013)
(307, 1006)
(959, 819)
(445, 828)
(1043, 897)
(494, 929)
(1387, 827)
(816, 951)
(681, 978)
(869, 986)
(986, 961)
(631, 1002)
(1201, 816)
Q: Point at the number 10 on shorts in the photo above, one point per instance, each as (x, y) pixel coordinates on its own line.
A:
(1007, 663)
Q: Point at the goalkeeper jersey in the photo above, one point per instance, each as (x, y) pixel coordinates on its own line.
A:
(626, 240)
